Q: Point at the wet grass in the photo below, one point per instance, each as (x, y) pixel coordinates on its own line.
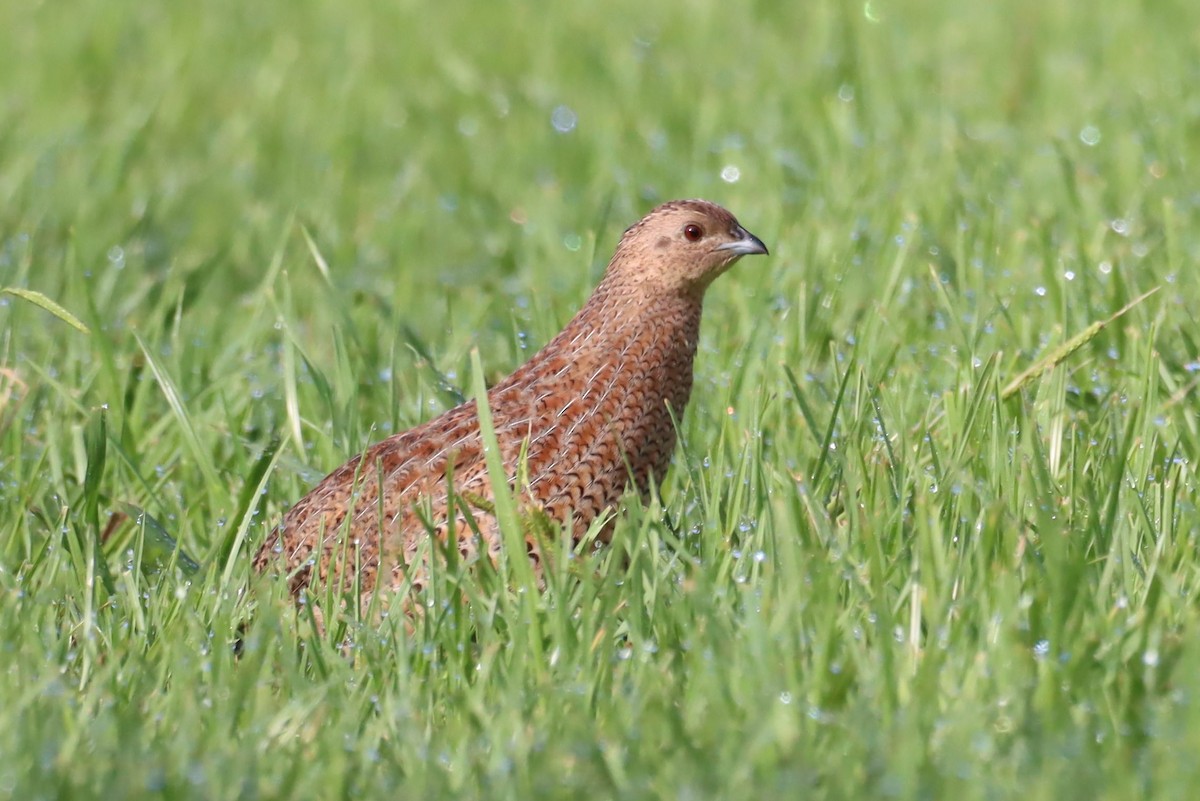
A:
(237, 243)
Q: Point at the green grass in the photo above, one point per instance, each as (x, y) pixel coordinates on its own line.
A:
(872, 572)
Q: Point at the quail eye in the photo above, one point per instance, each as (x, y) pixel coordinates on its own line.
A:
(693, 232)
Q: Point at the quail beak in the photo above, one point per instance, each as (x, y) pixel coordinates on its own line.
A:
(747, 244)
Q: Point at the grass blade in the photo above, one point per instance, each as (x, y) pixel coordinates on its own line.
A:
(43, 302)
(252, 491)
(1064, 351)
(202, 459)
(160, 551)
(511, 532)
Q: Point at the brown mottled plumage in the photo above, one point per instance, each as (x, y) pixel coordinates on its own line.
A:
(591, 410)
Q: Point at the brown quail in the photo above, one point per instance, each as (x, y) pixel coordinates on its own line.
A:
(590, 416)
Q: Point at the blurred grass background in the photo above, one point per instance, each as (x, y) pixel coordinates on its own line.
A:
(290, 223)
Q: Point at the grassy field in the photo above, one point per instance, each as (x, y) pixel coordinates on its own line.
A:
(890, 560)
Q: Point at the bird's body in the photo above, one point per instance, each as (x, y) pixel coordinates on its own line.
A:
(585, 419)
